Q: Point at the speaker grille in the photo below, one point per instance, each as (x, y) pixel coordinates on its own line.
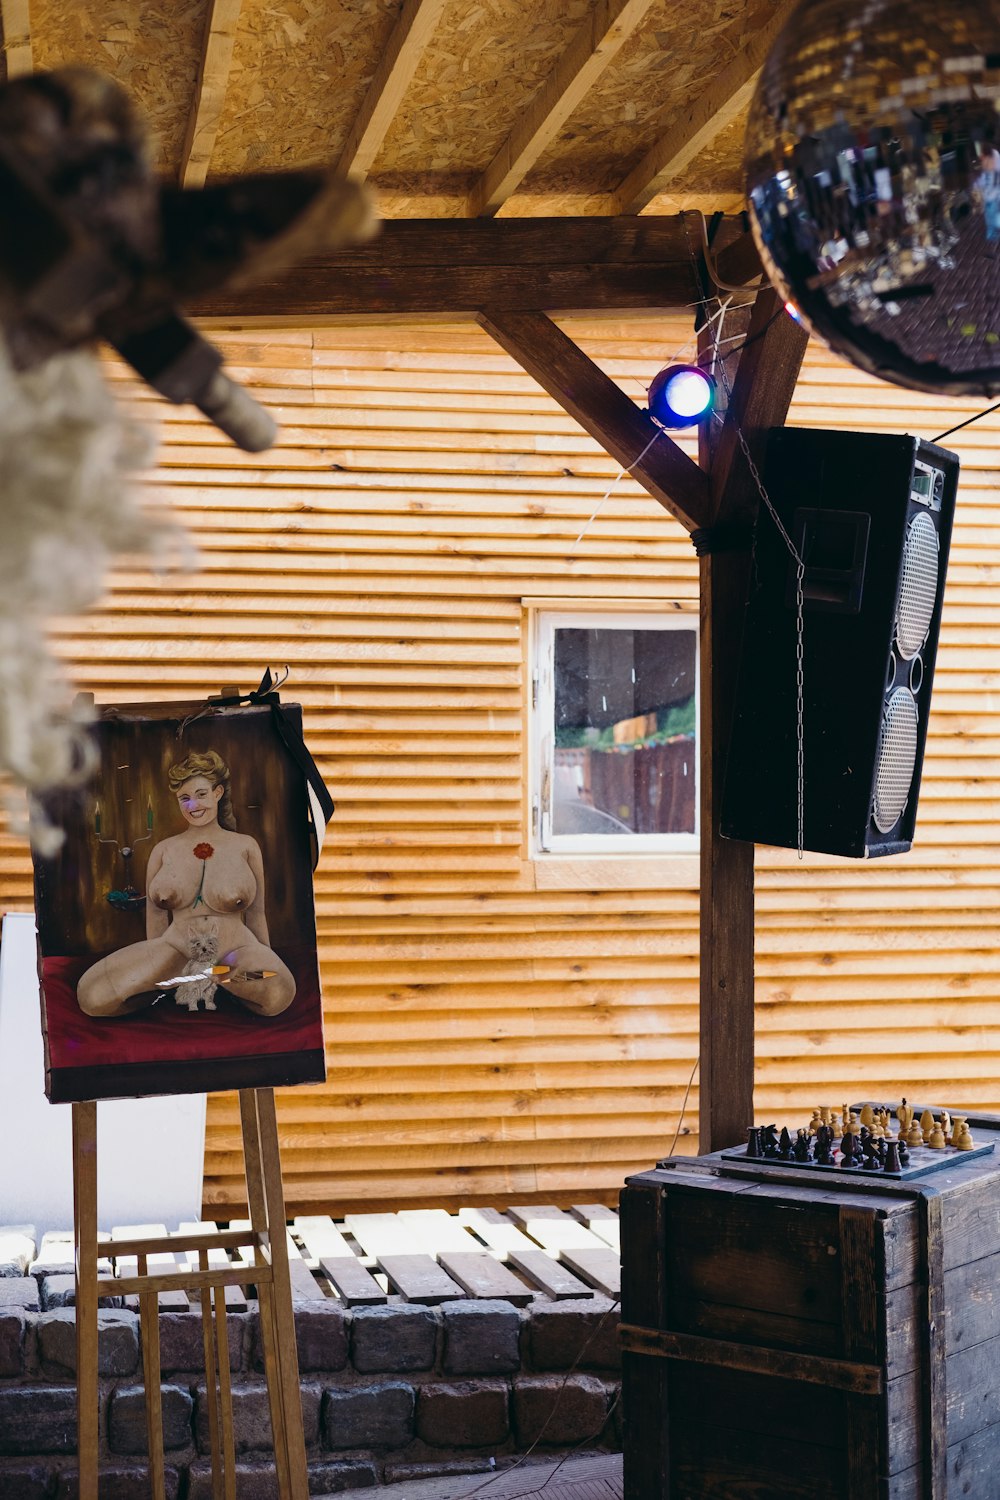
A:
(897, 756)
(918, 586)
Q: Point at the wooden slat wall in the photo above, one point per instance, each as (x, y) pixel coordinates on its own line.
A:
(491, 1041)
(883, 977)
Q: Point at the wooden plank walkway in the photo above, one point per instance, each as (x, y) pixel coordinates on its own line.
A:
(585, 1477)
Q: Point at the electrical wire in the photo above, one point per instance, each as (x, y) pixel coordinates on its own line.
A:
(967, 423)
(684, 1103)
(504, 1473)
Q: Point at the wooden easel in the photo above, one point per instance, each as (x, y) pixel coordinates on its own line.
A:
(268, 1272)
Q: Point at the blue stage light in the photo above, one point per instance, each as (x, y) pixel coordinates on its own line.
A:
(681, 395)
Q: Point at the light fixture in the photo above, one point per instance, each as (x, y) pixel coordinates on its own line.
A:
(681, 395)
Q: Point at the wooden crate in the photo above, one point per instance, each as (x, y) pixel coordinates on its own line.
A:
(788, 1335)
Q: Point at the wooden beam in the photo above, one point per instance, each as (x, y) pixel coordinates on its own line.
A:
(765, 380)
(738, 263)
(396, 66)
(459, 266)
(210, 90)
(603, 410)
(707, 115)
(607, 28)
(16, 18)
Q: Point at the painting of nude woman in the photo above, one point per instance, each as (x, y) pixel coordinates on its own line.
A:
(205, 912)
(176, 925)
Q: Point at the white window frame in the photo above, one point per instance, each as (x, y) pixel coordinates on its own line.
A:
(643, 859)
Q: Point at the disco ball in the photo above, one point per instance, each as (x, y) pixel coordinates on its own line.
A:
(873, 178)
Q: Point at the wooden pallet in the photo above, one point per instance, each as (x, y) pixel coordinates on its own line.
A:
(422, 1256)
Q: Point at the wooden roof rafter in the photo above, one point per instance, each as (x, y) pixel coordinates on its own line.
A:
(698, 125)
(210, 90)
(400, 57)
(604, 32)
(16, 18)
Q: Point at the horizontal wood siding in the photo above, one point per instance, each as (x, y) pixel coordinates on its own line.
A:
(489, 1038)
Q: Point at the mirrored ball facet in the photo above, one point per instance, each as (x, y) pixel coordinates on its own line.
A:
(873, 178)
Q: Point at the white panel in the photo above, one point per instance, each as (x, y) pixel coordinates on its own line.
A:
(150, 1152)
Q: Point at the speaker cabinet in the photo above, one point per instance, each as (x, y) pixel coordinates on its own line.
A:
(870, 515)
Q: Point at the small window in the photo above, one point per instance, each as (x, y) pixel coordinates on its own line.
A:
(615, 699)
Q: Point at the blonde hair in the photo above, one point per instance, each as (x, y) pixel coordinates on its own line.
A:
(208, 763)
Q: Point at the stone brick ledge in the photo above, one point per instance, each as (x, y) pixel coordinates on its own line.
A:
(389, 1390)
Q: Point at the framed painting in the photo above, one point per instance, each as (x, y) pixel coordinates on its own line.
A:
(176, 924)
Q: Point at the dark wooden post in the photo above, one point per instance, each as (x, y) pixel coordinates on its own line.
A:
(761, 393)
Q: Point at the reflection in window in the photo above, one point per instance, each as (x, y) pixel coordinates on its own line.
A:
(620, 744)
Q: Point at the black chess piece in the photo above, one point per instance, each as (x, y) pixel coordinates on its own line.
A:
(847, 1150)
(753, 1142)
(869, 1151)
(824, 1146)
(904, 1151)
(800, 1149)
(769, 1140)
(892, 1162)
(785, 1144)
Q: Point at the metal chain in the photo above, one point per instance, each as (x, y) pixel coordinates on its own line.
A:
(800, 569)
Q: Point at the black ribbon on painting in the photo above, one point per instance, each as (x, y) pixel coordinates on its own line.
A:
(266, 696)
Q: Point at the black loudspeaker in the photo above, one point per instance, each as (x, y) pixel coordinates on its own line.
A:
(870, 516)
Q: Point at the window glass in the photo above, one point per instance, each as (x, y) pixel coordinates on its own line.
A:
(617, 728)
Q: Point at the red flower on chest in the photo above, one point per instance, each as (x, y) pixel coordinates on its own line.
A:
(203, 851)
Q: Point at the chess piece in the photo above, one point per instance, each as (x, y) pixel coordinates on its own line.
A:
(824, 1146)
(927, 1123)
(914, 1134)
(785, 1144)
(753, 1142)
(800, 1149)
(815, 1122)
(847, 1150)
(892, 1162)
(946, 1126)
(769, 1140)
(853, 1122)
(867, 1115)
(904, 1114)
(961, 1137)
(904, 1154)
(936, 1139)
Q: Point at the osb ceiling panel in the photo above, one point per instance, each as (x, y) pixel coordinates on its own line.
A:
(299, 75)
(485, 64)
(300, 72)
(656, 75)
(151, 49)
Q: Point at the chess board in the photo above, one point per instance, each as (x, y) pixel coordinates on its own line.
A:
(923, 1159)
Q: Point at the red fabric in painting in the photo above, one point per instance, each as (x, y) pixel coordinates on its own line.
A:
(171, 1033)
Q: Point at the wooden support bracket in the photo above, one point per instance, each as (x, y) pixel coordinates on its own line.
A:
(602, 408)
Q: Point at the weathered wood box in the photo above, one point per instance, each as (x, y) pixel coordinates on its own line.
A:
(790, 1335)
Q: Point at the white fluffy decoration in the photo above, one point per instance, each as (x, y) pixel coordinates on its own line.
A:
(66, 508)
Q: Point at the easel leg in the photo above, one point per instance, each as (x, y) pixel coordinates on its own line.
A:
(85, 1227)
(211, 1386)
(282, 1312)
(277, 1323)
(225, 1394)
(149, 1324)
